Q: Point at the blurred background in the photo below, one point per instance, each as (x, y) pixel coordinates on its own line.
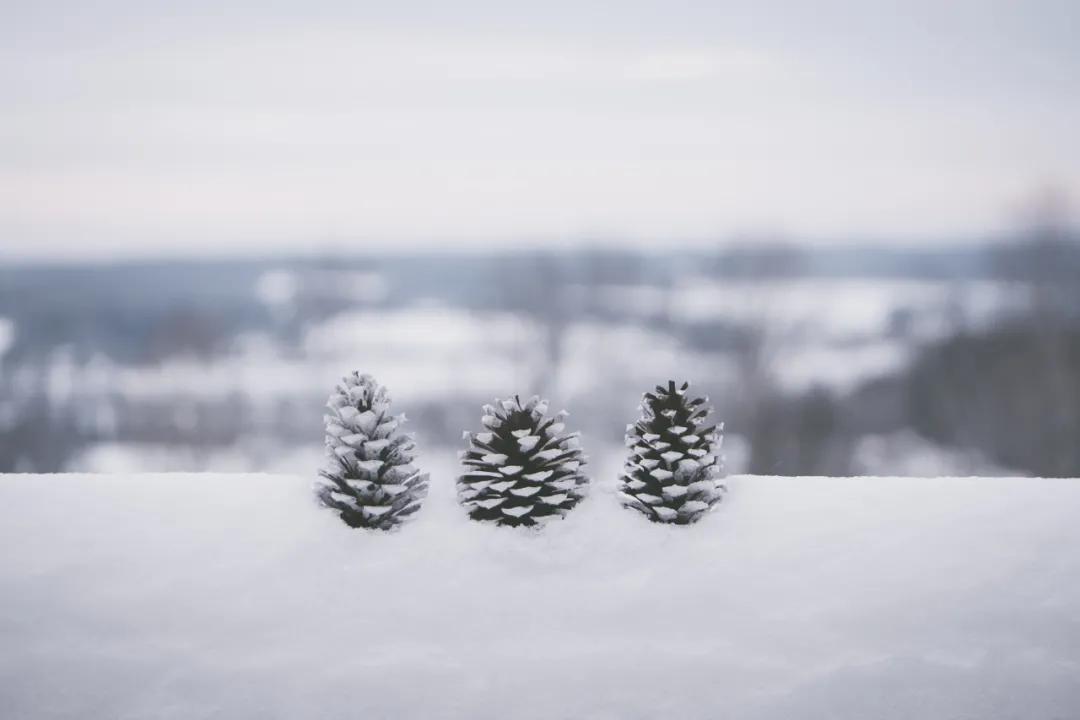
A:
(851, 224)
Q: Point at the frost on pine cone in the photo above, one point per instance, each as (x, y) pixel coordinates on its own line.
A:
(370, 479)
(522, 469)
(673, 473)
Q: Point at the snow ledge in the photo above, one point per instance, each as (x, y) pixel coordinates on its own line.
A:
(181, 595)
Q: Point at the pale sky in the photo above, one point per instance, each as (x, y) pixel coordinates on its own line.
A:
(136, 128)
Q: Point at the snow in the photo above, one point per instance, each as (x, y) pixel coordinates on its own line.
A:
(280, 288)
(835, 333)
(234, 596)
(431, 351)
(594, 360)
(837, 309)
(905, 452)
(7, 335)
(841, 368)
(277, 287)
(130, 458)
(844, 309)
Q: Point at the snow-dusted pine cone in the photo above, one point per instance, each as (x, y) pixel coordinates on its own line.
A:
(522, 469)
(369, 479)
(674, 469)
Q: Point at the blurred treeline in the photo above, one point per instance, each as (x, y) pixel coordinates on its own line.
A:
(1008, 391)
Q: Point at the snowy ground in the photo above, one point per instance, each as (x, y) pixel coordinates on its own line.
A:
(232, 596)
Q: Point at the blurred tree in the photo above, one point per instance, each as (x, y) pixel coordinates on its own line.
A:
(1013, 390)
(799, 435)
(536, 286)
(186, 331)
(790, 434)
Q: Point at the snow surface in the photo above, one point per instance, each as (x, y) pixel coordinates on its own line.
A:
(234, 596)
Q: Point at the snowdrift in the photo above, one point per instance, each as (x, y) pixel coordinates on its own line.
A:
(234, 596)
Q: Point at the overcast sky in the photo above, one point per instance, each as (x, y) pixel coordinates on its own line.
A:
(141, 129)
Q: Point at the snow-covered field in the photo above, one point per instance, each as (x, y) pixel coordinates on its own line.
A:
(233, 596)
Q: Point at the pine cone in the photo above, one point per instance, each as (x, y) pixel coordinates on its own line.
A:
(521, 470)
(370, 479)
(673, 472)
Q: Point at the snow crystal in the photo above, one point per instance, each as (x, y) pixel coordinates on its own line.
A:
(386, 427)
(343, 498)
(665, 513)
(374, 447)
(371, 466)
(701, 486)
(693, 506)
(364, 421)
(555, 499)
(528, 443)
(689, 466)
